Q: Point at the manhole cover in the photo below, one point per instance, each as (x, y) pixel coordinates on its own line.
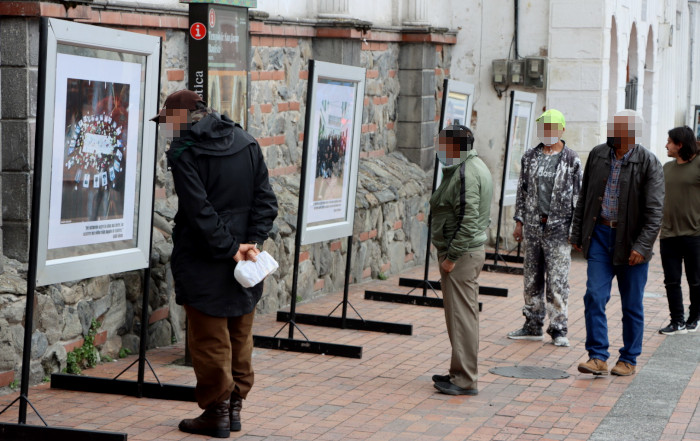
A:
(532, 372)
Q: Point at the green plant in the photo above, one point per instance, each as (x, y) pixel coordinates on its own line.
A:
(14, 384)
(106, 358)
(124, 352)
(382, 276)
(299, 298)
(84, 356)
(46, 379)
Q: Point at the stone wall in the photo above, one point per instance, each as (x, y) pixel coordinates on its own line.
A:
(391, 205)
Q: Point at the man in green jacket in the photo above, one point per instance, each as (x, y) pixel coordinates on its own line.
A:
(461, 209)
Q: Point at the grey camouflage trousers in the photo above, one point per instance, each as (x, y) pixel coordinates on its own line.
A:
(546, 277)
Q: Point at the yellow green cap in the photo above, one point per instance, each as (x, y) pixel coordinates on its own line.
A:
(552, 116)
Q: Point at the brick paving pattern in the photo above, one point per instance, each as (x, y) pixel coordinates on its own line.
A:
(388, 394)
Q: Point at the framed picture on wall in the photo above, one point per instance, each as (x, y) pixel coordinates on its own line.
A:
(331, 150)
(456, 109)
(95, 149)
(520, 133)
(696, 122)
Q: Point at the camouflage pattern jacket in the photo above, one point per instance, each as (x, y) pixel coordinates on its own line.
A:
(567, 185)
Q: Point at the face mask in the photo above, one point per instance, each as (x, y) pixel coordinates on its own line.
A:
(442, 157)
(549, 140)
(614, 142)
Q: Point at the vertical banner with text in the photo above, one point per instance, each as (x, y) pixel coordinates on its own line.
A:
(218, 54)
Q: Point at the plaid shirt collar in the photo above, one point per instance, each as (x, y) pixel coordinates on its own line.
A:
(623, 160)
(612, 188)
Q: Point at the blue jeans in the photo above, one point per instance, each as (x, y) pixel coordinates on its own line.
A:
(630, 281)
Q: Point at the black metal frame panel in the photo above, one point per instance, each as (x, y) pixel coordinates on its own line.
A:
(26, 432)
(347, 323)
(292, 317)
(307, 346)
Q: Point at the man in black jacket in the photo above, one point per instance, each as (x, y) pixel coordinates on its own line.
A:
(225, 211)
(617, 219)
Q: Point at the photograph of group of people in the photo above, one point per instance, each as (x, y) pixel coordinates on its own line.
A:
(95, 151)
(331, 150)
(329, 165)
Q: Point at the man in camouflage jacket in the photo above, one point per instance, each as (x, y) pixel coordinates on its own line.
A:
(548, 188)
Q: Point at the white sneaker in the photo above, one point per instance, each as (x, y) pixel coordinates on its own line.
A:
(561, 341)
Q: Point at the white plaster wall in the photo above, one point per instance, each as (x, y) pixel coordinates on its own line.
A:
(288, 9)
(485, 33)
(673, 85)
(381, 13)
(578, 70)
(694, 59)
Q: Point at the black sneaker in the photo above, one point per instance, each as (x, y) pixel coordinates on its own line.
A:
(453, 389)
(691, 325)
(674, 328)
(524, 334)
(441, 378)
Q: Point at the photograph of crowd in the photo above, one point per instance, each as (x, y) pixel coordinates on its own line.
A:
(331, 151)
(95, 151)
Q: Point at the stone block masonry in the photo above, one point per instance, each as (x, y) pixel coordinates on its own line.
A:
(393, 189)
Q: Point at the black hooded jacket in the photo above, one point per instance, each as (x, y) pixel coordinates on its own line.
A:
(224, 200)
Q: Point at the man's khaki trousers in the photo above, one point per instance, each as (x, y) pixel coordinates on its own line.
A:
(460, 291)
(222, 350)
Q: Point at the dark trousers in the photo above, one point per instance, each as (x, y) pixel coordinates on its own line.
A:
(674, 252)
(222, 351)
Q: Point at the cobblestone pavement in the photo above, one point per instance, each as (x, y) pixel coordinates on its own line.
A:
(388, 394)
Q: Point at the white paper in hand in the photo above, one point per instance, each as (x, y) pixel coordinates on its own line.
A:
(249, 273)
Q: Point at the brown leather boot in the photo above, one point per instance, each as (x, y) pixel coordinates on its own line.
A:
(212, 422)
(622, 368)
(594, 366)
(234, 412)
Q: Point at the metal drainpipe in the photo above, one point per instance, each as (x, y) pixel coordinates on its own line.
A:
(515, 25)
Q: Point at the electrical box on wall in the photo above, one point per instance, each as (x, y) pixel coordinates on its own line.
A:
(516, 70)
(500, 72)
(535, 72)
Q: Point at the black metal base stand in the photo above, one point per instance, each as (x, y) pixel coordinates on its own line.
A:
(496, 268)
(357, 324)
(306, 345)
(506, 257)
(343, 322)
(424, 300)
(131, 388)
(436, 285)
(408, 299)
(25, 432)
